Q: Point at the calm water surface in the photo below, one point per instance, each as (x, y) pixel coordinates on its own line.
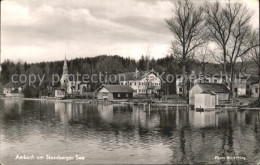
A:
(112, 134)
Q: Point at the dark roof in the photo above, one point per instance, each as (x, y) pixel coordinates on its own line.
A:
(128, 76)
(217, 75)
(117, 88)
(11, 84)
(242, 76)
(255, 83)
(212, 87)
(209, 92)
(254, 80)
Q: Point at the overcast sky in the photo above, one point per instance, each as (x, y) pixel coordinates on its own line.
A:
(43, 30)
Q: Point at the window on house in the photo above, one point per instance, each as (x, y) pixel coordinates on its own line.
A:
(130, 83)
(135, 83)
(235, 89)
(118, 95)
(140, 90)
(180, 90)
(256, 90)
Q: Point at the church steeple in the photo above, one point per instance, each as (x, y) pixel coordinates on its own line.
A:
(65, 61)
(65, 66)
(64, 78)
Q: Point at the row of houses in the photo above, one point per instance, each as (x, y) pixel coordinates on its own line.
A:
(244, 85)
(12, 89)
(127, 85)
(146, 83)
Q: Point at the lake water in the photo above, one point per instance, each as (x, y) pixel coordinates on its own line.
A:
(113, 134)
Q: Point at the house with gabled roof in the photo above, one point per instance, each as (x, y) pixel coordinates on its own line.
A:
(143, 82)
(220, 90)
(114, 92)
(12, 89)
(240, 86)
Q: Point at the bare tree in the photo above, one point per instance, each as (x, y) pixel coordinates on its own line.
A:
(255, 56)
(229, 29)
(204, 57)
(242, 41)
(0, 41)
(187, 27)
(244, 64)
(254, 53)
(220, 21)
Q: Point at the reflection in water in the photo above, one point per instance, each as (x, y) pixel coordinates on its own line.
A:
(125, 133)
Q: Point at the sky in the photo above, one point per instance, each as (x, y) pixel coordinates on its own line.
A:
(46, 30)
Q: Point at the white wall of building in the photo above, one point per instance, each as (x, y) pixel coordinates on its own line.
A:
(194, 90)
(255, 90)
(205, 100)
(140, 86)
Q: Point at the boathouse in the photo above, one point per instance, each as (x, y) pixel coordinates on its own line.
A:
(220, 90)
(206, 100)
(114, 92)
(59, 94)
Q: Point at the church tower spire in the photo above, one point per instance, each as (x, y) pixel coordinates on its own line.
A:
(65, 66)
(64, 78)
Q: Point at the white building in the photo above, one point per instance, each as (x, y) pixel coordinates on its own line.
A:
(195, 79)
(240, 84)
(142, 82)
(206, 100)
(220, 90)
(12, 87)
(59, 94)
(255, 90)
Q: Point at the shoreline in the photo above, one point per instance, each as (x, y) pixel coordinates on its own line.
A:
(50, 99)
(109, 102)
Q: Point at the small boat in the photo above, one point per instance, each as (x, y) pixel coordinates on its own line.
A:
(200, 110)
(243, 105)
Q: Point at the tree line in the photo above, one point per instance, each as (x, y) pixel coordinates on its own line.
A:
(110, 64)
